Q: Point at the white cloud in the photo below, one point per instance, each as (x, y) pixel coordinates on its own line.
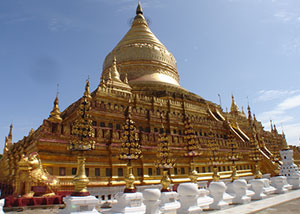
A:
(292, 132)
(280, 113)
(267, 95)
(60, 24)
(289, 103)
(286, 16)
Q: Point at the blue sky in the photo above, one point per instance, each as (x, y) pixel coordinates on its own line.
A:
(250, 48)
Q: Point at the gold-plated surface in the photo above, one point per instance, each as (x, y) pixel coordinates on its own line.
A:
(142, 56)
(165, 181)
(130, 149)
(31, 173)
(55, 113)
(80, 180)
(257, 172)
(140, 77)
(234, 175)
(215, 175)
(83, 131)
(129, 179)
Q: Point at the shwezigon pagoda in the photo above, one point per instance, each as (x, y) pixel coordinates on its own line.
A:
(140, 78)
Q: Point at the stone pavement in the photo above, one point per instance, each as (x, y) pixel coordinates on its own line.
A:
(290, 207)
(288, 203)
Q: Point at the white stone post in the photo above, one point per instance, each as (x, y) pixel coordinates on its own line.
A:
(2, 202)
(258, 187)
(240, 191)
(128, 203)
(278, 182)
(188, 195)
(169, 203)
(151, 200)
(80, 204)
(217, 190)
(204, 200)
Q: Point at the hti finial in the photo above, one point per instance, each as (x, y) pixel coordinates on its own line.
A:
(10, 131)
(139, 9)
(87, 88)
(57, 90)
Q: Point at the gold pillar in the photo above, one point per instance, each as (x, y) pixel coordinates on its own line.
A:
(257, 172)
(129, 179)
(234, 175)
(165, 181)
(80, 180)
(193, 173)
(215, 176)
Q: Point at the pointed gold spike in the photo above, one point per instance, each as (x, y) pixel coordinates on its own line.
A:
(55, 113)
(139, 9)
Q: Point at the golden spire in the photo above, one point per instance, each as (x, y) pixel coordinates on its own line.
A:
(114, 71)
(8, 139)
(55, 113)
(249, 113)
(126, 79)
(87, 89)
(139, 9)
(271, 124)
(234, 108)
(285, 146)
(31, 131)
(243, 111)
(10, 132)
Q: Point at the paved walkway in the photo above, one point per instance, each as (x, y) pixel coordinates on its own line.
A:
(260, 206)
(288, 203)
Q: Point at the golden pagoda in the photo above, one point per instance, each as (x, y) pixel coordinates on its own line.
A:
(141, 73)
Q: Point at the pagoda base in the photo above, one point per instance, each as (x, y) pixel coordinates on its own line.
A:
(80, 204)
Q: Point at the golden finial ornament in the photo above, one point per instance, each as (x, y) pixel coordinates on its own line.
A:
(165, 158)
(285, 146)
(130, 149)
(31, 131)
(234, 108)
(139, 9)
(8, 139)
(10, 131)
(126, 79)
(165, 181)
(87, 93)
(192, 148)
(83, 132)
(249, 113)
(55, 113)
